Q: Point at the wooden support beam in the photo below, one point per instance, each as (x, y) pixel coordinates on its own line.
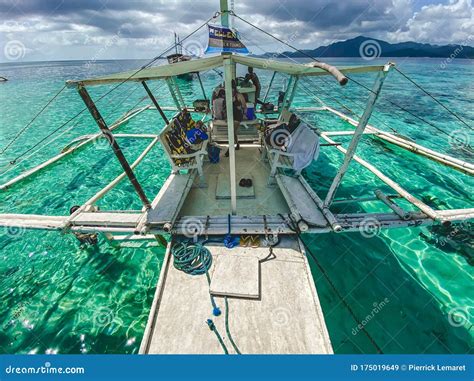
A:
(113, 143)
(155, 102)
(357, 135)
(404, 215)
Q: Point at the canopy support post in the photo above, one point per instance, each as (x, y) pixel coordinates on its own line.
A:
(285, 97)
(173, 94)
(293, 92)
(357, 135)
(155, 102)
(269, 87)
(202, 86)
(107, 133)
(224, 13)
(178, 92)
(230, 130)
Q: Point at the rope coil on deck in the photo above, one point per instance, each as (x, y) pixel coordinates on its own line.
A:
(193, 259)
(196, 259)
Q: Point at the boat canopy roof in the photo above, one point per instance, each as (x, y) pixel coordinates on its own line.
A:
(208, 63)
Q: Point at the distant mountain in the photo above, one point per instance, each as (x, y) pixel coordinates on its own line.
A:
(370, 48)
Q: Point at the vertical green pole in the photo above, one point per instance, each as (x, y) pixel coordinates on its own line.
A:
(224, 13)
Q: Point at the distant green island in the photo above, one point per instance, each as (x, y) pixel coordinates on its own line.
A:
(370, 48)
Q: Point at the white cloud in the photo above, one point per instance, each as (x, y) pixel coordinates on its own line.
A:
(55, 29)
(440, 23)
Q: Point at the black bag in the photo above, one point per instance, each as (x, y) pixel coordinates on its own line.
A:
(201, 105)
(278, 137)
(266, 107)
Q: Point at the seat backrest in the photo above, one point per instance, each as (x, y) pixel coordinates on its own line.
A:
(218, 109)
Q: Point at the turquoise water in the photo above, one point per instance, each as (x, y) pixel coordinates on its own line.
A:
(58, 298)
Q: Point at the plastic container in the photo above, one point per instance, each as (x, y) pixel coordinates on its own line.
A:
(250, 111)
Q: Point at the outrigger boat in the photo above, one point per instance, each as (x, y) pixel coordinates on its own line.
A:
(178, 56)
(263, 284)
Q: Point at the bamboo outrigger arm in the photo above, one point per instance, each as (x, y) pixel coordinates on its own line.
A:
(69, 149)
(460, 165)
(392, 184)
(126, 223)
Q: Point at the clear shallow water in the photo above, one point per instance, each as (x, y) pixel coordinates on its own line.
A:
(56, 297)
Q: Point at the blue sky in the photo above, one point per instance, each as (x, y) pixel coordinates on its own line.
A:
(108, 29)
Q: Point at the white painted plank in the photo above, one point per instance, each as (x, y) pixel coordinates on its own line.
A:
(296, 194)
(170, 198)
(106, 219)
(236, 275)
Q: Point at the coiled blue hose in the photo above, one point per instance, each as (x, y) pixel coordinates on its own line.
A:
(194, 259)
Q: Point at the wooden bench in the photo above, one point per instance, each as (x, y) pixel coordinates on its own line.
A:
(247, 132)
(187, 161)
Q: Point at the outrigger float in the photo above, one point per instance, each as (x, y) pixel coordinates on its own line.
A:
(264, 284)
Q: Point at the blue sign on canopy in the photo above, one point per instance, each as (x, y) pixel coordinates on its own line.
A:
(222, 39)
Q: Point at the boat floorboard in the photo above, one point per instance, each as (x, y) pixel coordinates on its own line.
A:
(286, 318)
(202, 201)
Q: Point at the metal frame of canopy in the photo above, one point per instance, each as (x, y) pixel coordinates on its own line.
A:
(228, 62)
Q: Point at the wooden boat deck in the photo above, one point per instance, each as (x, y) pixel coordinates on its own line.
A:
(202, 201)
(285, 318)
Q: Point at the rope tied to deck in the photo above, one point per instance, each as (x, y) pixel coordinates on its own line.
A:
(293, 225)
(19, 133)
